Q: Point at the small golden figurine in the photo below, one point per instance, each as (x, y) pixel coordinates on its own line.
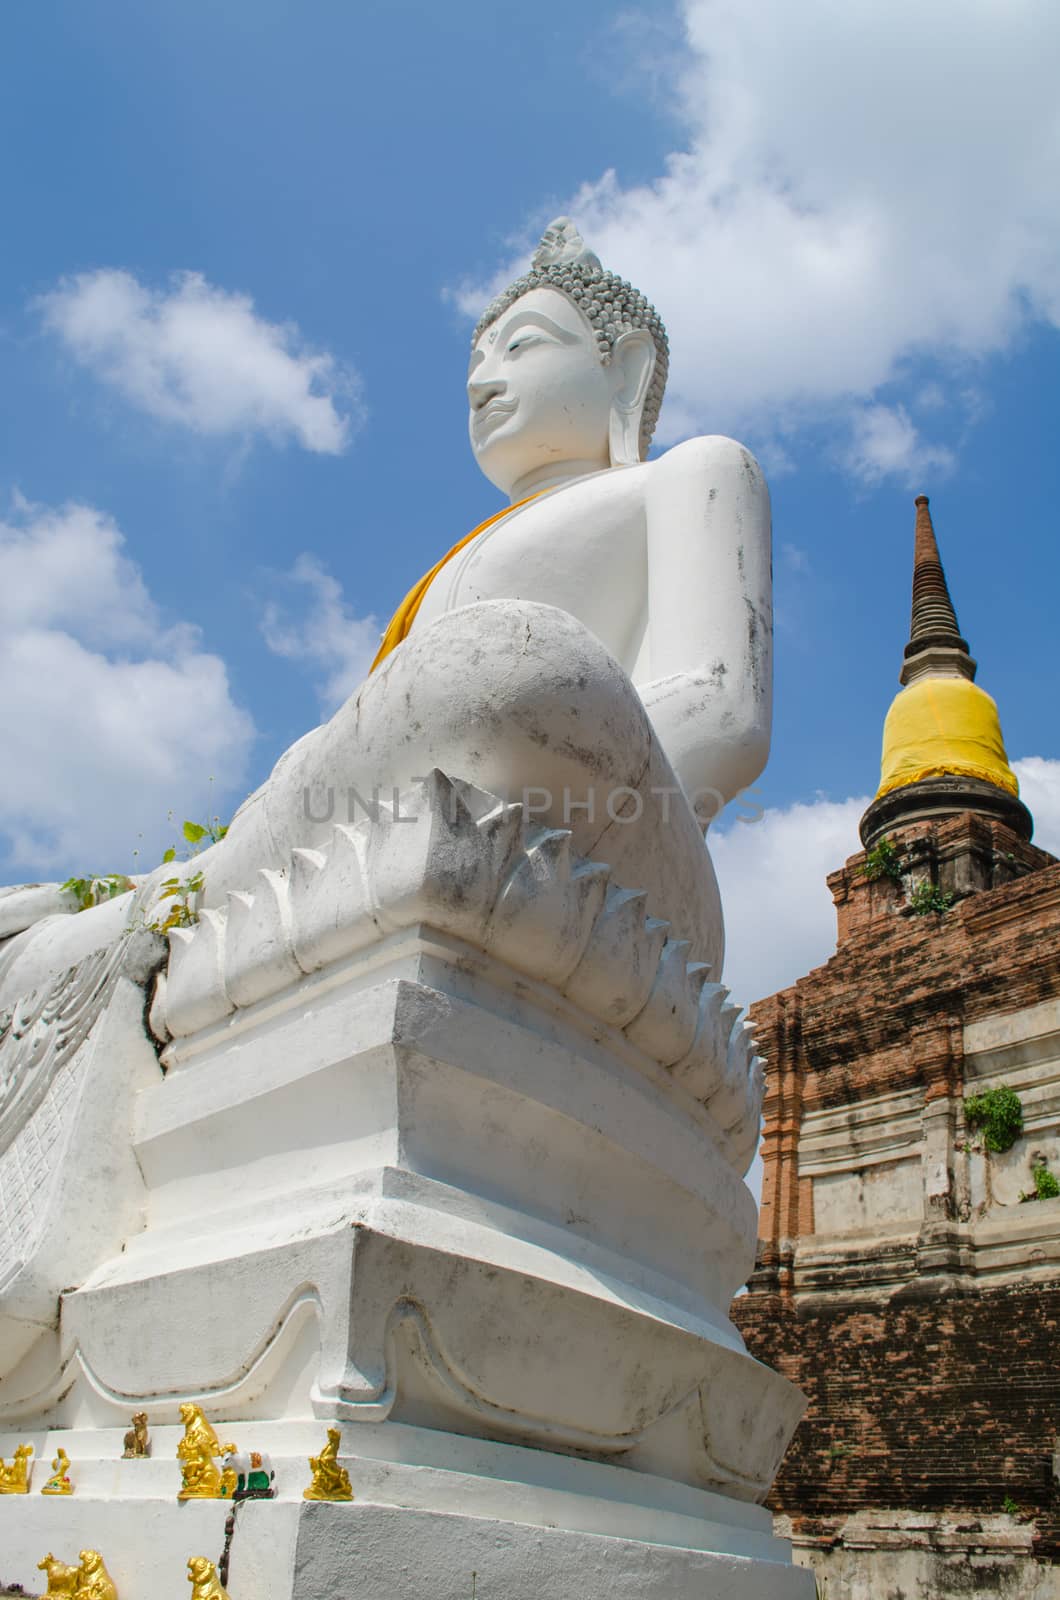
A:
(59, 1482)
(205, 1584)
(330, 1481)
(94, 1582)
(14, 1477)
(199, 1478)
(137, 1440)
(61, 1578)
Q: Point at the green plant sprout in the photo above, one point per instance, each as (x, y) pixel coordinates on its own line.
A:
(1046, 1186)
(928, 897)
(96, 888)
(182, 911)
(181, 892)
(212, 831)
(999, 1113)
(883, 861)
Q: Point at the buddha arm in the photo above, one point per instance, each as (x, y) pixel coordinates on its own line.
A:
(709, 693)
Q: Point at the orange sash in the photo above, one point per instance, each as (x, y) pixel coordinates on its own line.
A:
(405, 615)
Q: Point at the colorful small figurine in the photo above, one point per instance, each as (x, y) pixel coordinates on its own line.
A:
(59, 1482)
(61, 1578)
(254, 1475)
(14, 1476)
(330, 1481)
(205, 1584)
(94, 1582)
(137, 1440)
(200, 1479)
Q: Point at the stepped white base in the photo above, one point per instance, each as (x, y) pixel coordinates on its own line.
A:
(448, 1151)
(430, 1510)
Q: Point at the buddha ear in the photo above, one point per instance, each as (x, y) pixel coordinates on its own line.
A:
(632, 366)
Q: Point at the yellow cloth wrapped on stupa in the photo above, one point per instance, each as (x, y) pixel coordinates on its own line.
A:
(944, 726)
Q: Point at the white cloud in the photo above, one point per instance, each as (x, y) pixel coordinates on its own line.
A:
(325, 633)
(884, 442)
(66, 569)
(201, 357)
(111, 718)
(1039, 780)
(779, 916)
(857, 187)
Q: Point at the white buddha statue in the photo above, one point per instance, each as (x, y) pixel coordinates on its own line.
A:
(601, 650)
(418, 1084)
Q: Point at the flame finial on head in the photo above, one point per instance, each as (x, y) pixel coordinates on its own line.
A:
(561, 246)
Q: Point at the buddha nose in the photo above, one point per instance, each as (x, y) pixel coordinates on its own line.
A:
(480, 391)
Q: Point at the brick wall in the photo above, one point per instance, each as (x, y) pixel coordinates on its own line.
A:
(887, 1012)
(933, 1398)
(933, 1404)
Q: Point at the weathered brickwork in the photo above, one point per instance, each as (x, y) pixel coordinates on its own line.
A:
(929, 1388)
(933, 1404)
(887, 1012)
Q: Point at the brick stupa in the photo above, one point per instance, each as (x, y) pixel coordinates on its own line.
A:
(905, 1281)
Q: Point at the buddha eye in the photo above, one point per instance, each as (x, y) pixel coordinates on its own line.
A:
(522, 340)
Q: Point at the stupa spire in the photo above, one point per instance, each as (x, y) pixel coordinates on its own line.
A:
(943, 752)
(935, 640)
(933, 616)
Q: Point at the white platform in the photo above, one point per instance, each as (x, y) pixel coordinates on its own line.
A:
(448, 1150)
(430, 1509)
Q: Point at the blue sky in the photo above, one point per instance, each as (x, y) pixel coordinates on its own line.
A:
(243, 248)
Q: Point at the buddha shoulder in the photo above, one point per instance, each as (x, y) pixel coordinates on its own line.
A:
(711, 471)
(714, 461)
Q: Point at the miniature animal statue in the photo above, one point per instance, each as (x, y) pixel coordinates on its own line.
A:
(200, 1478)
(205, 1584)
(94, 1582)
(254, 1472)
(61, 1578)
(59, 1482)
(329, 1481)
(14, 1475)
(137, 1440)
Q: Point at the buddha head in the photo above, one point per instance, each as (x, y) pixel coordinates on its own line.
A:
(568, 367)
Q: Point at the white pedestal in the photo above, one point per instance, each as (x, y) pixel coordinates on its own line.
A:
(448, 1151)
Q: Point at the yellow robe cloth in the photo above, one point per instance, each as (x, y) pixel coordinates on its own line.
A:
(942, 726)
(401, 622)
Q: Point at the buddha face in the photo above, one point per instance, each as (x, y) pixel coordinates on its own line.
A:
(539, 394)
